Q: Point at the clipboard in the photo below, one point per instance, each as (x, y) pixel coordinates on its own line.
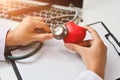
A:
(70, 59)
(110, 37)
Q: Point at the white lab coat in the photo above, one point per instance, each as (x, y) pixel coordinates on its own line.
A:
(86, 75)
(3, 32)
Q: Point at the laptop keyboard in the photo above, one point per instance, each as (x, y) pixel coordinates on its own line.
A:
(16, 10)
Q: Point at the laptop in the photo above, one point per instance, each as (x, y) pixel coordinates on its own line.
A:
(52, 11)
(12, 12)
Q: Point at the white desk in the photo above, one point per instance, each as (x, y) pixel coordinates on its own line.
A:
(103, 10)
(6, 71)
(94, 10)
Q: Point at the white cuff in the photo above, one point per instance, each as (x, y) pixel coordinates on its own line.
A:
(88, 75)
(3, 32)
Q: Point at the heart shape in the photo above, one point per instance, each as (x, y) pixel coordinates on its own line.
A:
(76, 33)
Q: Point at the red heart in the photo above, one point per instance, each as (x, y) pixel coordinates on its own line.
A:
(76, 33)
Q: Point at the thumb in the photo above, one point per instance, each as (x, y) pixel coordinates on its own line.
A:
(74, 47)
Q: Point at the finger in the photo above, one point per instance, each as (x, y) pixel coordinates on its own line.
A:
(86, 43)
(75, 47)
(45, 27)
(41, 25)
(37, 24)
(43, 37)
(93, 32)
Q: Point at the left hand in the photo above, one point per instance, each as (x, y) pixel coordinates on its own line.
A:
(93, 52)
(27, 32)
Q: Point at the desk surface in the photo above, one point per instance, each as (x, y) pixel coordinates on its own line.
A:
(96, 10)
(103, 10)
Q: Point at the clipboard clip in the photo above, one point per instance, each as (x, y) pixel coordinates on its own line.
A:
(109, 37)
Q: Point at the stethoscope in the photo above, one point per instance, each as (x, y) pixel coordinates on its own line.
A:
(8, 51)
(59, 31)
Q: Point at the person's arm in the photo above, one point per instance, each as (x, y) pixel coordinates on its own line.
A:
(29, 30)
(93, 53)
(3, 33)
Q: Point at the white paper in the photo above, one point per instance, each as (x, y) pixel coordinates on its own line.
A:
(55, 62)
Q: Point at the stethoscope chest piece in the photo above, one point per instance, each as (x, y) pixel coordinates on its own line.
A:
(59, 31)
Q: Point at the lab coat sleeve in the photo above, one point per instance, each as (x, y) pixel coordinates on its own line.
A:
(3, 32)
(88, 75)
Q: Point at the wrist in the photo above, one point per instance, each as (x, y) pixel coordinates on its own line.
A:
(9, 39)
(98, 70)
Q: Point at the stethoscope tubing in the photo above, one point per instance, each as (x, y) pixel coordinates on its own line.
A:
(9, 56)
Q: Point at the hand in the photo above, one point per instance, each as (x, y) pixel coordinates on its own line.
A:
(93, 52)
(28, 31)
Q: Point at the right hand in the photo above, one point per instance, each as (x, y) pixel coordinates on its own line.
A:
(27, 31)
(93, 52)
